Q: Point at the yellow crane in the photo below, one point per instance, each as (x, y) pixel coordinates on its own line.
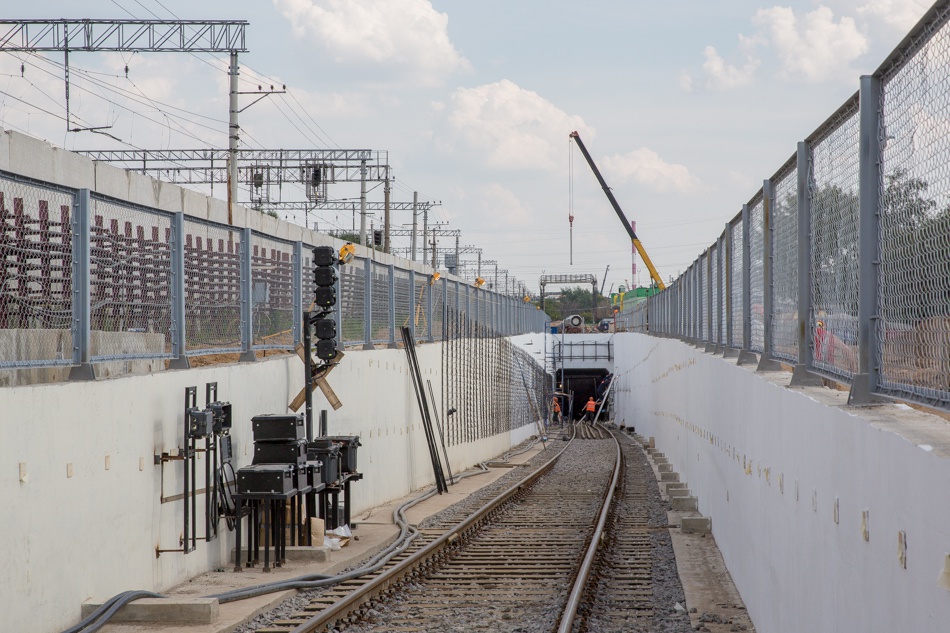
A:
(626, 225)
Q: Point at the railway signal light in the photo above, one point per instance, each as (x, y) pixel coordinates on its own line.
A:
(324, 278)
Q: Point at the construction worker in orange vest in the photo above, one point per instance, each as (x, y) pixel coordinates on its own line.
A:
(556, 411)
(589, 410)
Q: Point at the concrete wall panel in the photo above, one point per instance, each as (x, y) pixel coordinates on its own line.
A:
(85, 518)
(770, 463)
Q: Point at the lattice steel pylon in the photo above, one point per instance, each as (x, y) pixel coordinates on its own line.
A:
(155, 36)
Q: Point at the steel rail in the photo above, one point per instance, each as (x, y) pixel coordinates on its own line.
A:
(583, 574)
(378, 585)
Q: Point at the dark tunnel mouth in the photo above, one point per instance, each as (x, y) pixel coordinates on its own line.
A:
(583, 383)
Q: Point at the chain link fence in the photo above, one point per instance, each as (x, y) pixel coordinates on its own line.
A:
(87, 279)
(36, 291)
(843, 270)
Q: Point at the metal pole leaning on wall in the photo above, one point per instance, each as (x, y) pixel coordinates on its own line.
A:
(177, 254)
(247, 297)
(413, 303)
(864, 383)
(801, 375)
(746, 355)
(766, 362)
(82, 317)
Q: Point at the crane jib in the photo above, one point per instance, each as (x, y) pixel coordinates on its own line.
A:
(613, 202)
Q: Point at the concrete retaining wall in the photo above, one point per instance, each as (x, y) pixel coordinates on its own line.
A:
(808, 498)
(82, 516)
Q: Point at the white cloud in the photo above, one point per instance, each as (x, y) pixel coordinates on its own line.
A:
(816, 47)
(723, 75)
(645, 167)
(901, 14)
(400, 35)
(515, 128)
(499, 206)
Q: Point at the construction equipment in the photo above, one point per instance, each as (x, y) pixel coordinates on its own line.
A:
(626, 224)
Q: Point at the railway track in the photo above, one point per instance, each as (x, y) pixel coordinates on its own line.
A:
(513, 565)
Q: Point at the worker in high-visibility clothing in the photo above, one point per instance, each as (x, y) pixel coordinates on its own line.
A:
(589, 410)
(556, 411)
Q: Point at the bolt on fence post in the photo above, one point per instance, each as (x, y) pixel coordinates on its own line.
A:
(766, 362)
(177, 254)
(368, 304)
(297, 283)
(247, 297)
(865, 382)
(801, 374)
(82, 317)
(746, 355)
(392, 306)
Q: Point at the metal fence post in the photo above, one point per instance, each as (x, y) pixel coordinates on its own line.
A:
(392, 306)
(368, 304)
(82, 313)
(720, 282)
(864, 383)
(430, 312)
(177, 254)
(801, 374)
(247, 297)
(710, 345)
(728, 350)
(412, 304)
(766, 362)
(298, 293)
(746, 355)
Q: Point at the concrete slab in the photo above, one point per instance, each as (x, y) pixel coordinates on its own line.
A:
(684, 503)
(664, 468)
(669, 476)
(674, 485)
(710, 592)
(675, 493)
(696, 525)
(176, 610)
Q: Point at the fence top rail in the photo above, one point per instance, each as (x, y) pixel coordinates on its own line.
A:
(787, 167)
(26, 180)
(755, 199)
(915, 40)
(848, 109)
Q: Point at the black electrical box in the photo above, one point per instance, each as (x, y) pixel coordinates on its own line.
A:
(348, 445)
(314, 477)
(200, 423)
(266, 479)
(289, 452)
(328, 454)
(278, 428)
(221, 413)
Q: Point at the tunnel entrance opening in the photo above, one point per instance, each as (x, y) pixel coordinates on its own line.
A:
(582, 384)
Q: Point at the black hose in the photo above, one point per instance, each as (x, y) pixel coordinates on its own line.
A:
(98, 618)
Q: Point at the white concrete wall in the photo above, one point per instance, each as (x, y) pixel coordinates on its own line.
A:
(769, 464)
(91, 535)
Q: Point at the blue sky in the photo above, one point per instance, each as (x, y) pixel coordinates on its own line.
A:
(686, 106)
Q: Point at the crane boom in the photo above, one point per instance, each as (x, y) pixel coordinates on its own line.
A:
(626, 224)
